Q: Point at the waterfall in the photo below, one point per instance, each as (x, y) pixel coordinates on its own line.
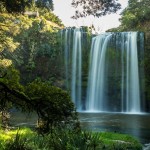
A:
(132, 73)
(96, 85)
(67, 51)
(73, 63)
(107, 78)
(102, 69)
(66, 58)
(76, 83)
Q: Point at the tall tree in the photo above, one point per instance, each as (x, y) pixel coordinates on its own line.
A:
(96, 8)
(135, 14)
(19, 6)
(14, 6)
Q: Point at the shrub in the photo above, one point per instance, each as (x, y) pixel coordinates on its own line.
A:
(53, 106)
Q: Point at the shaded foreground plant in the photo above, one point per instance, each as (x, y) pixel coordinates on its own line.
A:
(52, 105)
(61, 139)
(17, 143)
(65, 139)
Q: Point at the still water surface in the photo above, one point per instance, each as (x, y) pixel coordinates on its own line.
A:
(137, 125)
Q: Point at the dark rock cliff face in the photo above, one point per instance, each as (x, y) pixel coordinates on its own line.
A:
(147, 71)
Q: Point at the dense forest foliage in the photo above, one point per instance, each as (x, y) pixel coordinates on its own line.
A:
(20, 6)
(96, 8)
(135, 17)
(31, 70)
(29, 39)
(26, 37)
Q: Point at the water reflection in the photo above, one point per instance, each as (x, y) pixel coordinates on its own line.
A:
(135, 125)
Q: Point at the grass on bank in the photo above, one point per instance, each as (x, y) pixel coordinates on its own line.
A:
(27, 139)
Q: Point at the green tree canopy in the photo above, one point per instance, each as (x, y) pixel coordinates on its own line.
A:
(19, 6)
(14, 6)
(135, 14)
(10, 88)
(96, 8)
(53, 105)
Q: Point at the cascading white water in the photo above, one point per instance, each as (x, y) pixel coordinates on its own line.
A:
(96, 85)
(114, 82)
(132, 73)
(123, 72)
(73, 63)
(98, 98)
(67, 57)
(76, 82)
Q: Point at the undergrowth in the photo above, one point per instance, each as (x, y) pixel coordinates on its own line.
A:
(61, 139)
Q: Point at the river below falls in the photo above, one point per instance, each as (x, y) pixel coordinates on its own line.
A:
(137, 125)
